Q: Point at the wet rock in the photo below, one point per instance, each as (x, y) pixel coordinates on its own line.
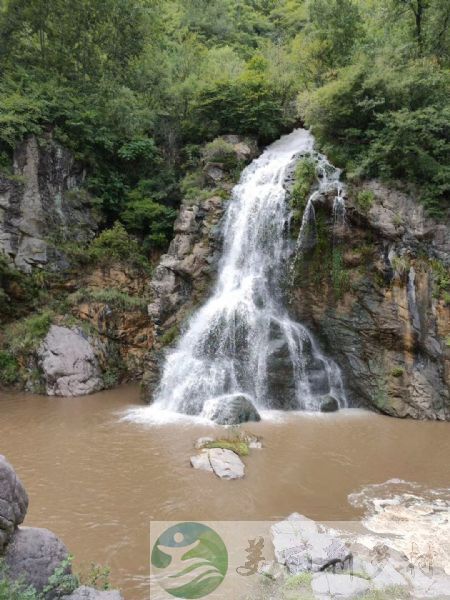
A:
(32, 555)
(330, 586)
(42, 199)
(231, 410)
(226, 464)
(13, 501)
(329, 404)
(87, 593)
(387, 330)
(68, 362)
(301, 546)
(201, 461)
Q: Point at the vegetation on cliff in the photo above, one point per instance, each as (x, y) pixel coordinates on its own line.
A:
(134, 87)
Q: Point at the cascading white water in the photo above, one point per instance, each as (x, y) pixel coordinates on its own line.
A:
(242, 341)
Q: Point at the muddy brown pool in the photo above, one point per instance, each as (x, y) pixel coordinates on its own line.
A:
(98, 480)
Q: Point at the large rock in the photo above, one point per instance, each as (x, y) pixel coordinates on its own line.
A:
(33, 554)
(226, 464)
(231, 410)
(69, 363)
(302, 546)
(42, 201)
(388, 326)
(330, 586)
(13, 501)
(87, 593)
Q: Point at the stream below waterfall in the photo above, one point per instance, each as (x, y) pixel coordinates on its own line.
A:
(98, 469)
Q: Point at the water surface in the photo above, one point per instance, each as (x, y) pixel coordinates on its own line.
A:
(97, 480)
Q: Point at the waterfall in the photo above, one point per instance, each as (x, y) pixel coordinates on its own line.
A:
(242, 341)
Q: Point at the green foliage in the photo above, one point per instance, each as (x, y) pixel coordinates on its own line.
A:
(114, 245)
(339, 274)
(97, 577)
(152, 221)
(9, 368)
(169, 337)
(305, 176)
(221, 151)
(387, 121)
(248, 105)
(441, 278)
(14, 590)
(237, 446)
(364, 200)
(24, 336)
(62, 581)
(397, 371)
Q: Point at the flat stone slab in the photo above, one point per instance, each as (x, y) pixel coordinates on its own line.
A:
(328, 586)
(226, 464)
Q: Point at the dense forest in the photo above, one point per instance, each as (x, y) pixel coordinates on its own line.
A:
(135, 87)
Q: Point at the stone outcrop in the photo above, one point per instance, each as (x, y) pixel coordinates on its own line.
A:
(32, 555)
(42, 204)
(13, 502)
(87, 593)
(375, 292)
(69, 363)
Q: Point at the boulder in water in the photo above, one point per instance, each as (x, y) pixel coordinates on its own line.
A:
(33, 555)
(69, 363)
(231, 410)
(13, 501)
(226, 464)
(329, 404)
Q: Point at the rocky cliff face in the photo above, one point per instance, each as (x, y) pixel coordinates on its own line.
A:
(40, 201)
(375, 292)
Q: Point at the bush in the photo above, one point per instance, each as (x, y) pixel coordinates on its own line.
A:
(15, 590)
(390, 122)
(9, 368)
(114, 245)
(364, 200)
(152, 221)
(305, 176)
(22, 337)
(221, 151)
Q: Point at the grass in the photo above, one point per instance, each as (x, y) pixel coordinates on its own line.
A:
(110, 296)
(170, 336)
(238, 446)
(24, 336)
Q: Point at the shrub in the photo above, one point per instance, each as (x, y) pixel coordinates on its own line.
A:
(14, 590)
(305, 176)
(221, 151)
(149, 219)
(364, 200)
(9, 368)
(24, 336)
(114, 245)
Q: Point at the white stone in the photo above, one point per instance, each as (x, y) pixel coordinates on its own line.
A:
(201, 461)
(328, 585)
(226, 464)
